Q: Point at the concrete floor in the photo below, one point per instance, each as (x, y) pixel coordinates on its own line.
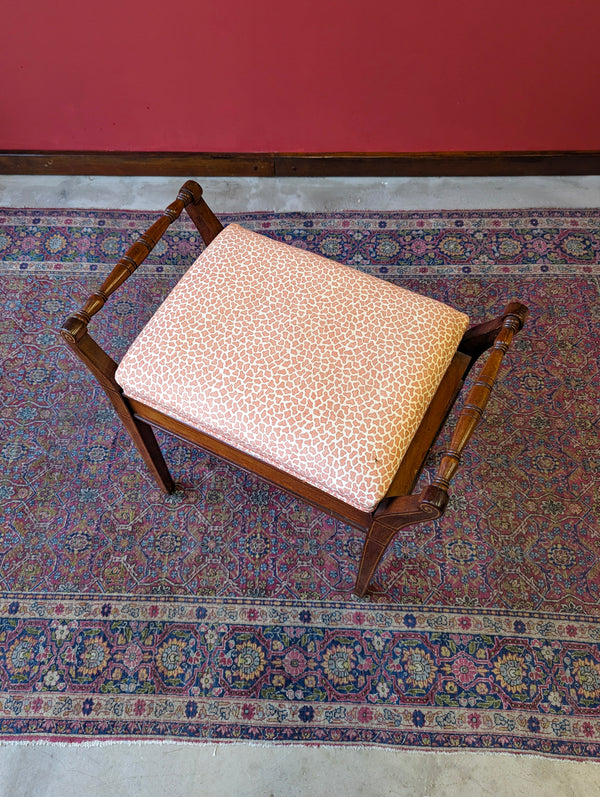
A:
(175, 770)
(235, 195)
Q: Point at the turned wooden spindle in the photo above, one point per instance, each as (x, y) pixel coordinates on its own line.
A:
(512, 321)
(75, 326)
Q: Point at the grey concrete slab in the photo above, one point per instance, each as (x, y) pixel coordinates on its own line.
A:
(231, 195)
(236, 770)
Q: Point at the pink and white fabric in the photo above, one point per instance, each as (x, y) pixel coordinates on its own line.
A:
(307, 364)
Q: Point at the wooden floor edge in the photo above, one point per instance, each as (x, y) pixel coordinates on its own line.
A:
(280, 164)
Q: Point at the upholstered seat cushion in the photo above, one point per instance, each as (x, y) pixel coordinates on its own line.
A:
(309, 365)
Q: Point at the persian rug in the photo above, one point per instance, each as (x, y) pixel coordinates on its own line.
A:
(224, 612)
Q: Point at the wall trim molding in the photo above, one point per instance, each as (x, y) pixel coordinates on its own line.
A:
(280, 164)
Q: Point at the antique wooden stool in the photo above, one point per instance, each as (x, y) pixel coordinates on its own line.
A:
(327, 382)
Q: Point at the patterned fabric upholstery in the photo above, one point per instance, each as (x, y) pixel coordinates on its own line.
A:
(309, 365)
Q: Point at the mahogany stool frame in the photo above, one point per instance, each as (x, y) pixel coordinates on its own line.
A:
(400, 507)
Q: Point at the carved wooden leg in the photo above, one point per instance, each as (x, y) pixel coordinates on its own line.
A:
(145, 441)
(379, 537)
(103, 368)
(397, 514)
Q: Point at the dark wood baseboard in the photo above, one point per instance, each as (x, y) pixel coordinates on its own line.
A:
(279, 164)
(439, 164)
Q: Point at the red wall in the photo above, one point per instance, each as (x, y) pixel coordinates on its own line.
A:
(314, 76)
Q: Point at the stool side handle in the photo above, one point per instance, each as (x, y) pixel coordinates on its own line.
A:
(75, 327)
(513, 319)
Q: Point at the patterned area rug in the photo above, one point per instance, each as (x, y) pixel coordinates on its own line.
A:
(225, 611)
